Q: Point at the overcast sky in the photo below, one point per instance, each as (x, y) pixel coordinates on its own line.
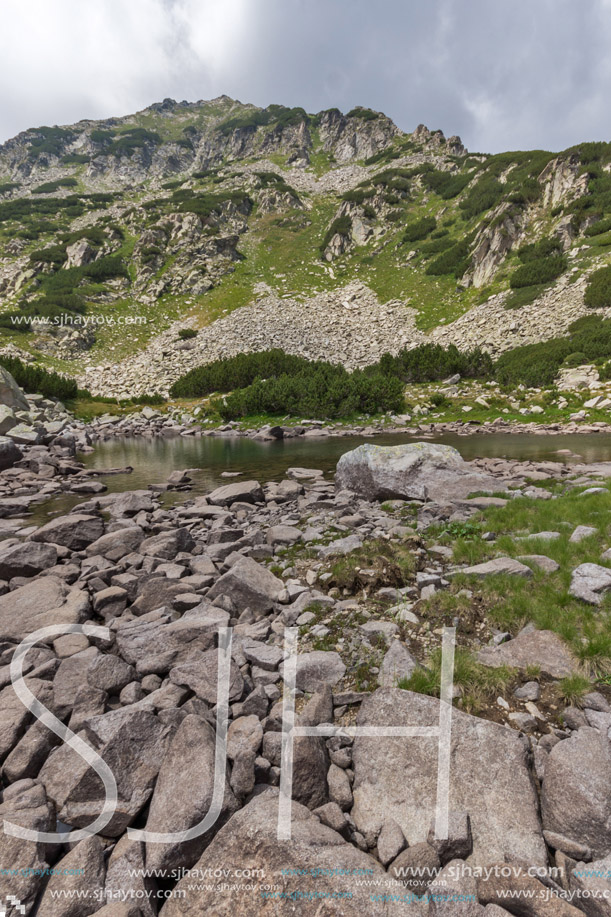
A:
(504, 74)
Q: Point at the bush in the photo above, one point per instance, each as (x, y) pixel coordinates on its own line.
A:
(419, 229)
(320, 390)
(54, 254)
(341, 226)
(365, 114)
(575, 359)
(186, 333)
(154, 398)
(596, 229)
(446, 184)
(538, 271)
(537, 365)
(51, 186)
(431, 362)
(36, 380)
(483, 196)
(236, 372)
(598, 291)
(454, 260)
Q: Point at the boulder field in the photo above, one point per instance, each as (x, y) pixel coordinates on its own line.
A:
(134, 596)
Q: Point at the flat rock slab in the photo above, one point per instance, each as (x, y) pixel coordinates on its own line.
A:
(540, 561)
(244, 491)
(317, 866)
(75, 531)
(46, 600)
(248, 583)
(415, 471)
(507, 566)
(317, 669)
(541, 648)
(489, 779)
(590, 582)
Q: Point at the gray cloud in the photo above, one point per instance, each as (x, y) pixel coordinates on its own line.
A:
(506, 74)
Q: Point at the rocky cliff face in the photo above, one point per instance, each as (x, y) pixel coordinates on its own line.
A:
(181, 213)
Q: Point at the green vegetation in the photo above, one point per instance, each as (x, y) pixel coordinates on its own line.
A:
(430, 362)
(419, 229)
(478, 684)
(365, 114)
(446, 184)
(341, 226)
(454, 260)
(538, 364)
(598, 292)
(35, 379)
(276, 114)
(51, 186)
(186, 334)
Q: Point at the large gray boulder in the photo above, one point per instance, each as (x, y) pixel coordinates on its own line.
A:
(46, 600)
(541, 648)
(576, 796)
(9, 453)
(132, 743)
(183, 795)
(316, 871)
(10, 393)
(155, 642)
(489, 779)
(26, 559)
(7, 419)
(248, 583)
(75, 531)
(590, 582)
(415, 471)
(242, 491)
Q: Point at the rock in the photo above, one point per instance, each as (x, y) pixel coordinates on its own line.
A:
(541, 648)
(454, 894)
(109, 673)
(75, 531)
(581, 532)
(25, 435)
(530, 691)
(125, 879)
(10, 393)
(590, 582)
(264, 655)
(200, 673)
(132, 743)
(317, 669)
(7, 419)
(574, 806)
(416, 471)
(248, 584)
(24, 803)
(80, 879)
(183, 795)
(155, 642)
(243, 742)
(168, 544)
(116, 545)
(398, 663)
(458, 845)
(9, 453)
(592, 882)
(541, 561)
(390, 841)
(500, 566)
(416, 868)
(489, 779)
(242, 491)
(44, 601)
(285, 535)
(339, 787)
(314, 851)
(527, 895)
(26, 559)
(340, 546)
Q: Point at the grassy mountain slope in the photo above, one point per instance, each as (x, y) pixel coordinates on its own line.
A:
(186, 212)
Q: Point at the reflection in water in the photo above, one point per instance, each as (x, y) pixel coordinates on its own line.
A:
(154, 459)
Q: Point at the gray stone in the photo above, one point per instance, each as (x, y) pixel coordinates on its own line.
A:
(75, 531)
(283, 535)
(505, 566)
(541, 561)
(248, 584)
(242, 491)
(590, 582)
(313, 850)
(80, 880)
(416, 471)
(200, 673)
(416, 868)
(541, 648)
(10, 393)
(26, 559)
(7, 419)
(391, 841)
(339, 787)
(458, 845)
(398, 663)
(592, 882)
(575, 799)
(317, 669)
(168, 544)
(46, 600)
(9, 453)
(489, 779)
(581, 532)
(183, 795)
